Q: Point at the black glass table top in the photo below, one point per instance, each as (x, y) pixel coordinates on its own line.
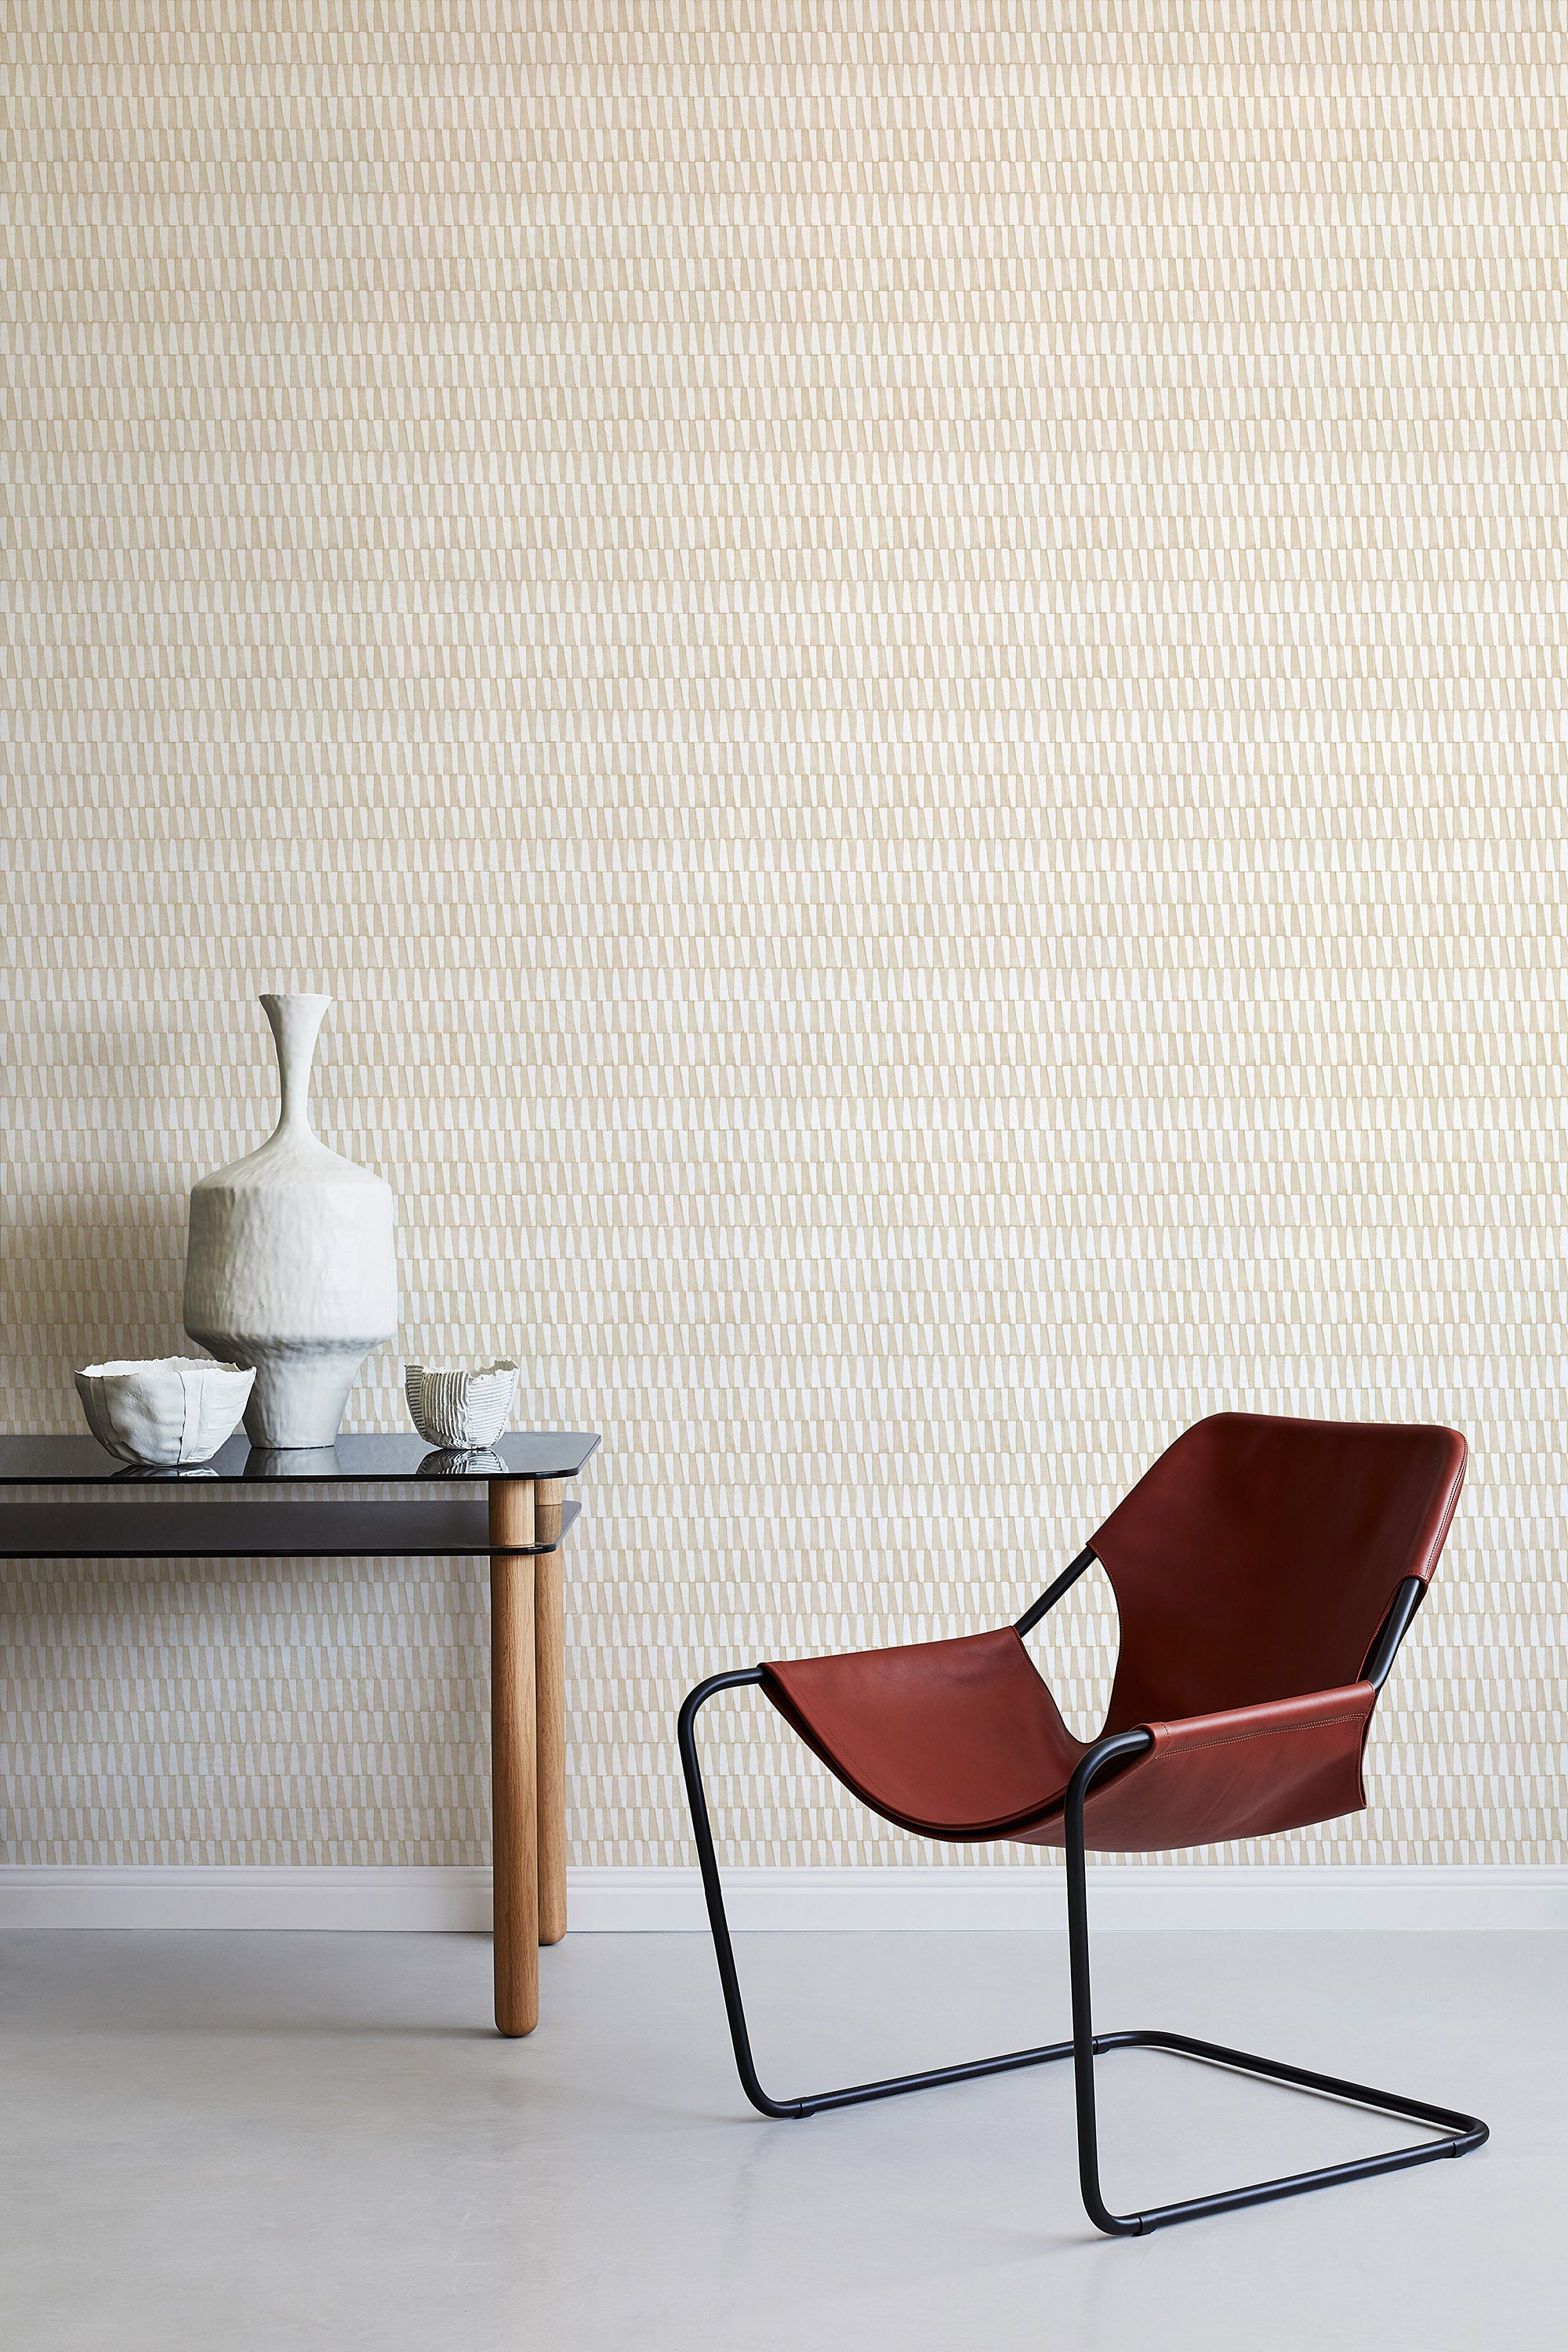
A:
(257, 1529)
(372, 1459)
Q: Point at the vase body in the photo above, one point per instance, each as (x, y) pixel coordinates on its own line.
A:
(290, 1267)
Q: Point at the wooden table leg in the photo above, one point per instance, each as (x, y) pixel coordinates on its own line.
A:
(550, 1641)
(514, 1760)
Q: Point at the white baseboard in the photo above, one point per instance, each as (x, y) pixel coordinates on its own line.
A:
(1178, 1894)
(447, 1901)
(606, 1901)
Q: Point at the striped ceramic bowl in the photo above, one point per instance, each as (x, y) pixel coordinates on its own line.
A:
(457, 1408)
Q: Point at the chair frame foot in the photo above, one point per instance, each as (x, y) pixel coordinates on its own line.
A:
(1458, 2134)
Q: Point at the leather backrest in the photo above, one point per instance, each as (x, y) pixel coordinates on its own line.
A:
(1258, 1557)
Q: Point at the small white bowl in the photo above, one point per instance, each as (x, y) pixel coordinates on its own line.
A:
(459, 1409)
(175, 1410)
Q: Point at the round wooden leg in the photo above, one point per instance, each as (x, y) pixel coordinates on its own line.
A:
(550, 1645)
(514, 1759)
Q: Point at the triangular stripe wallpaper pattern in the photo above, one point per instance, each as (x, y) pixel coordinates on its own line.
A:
(905, 668)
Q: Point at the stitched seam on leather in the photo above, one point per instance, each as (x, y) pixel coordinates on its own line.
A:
(1266, 1732)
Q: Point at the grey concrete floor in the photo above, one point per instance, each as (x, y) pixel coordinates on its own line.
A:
(270, 2141)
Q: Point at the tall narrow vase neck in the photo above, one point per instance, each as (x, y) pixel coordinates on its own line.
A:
(296, 1023)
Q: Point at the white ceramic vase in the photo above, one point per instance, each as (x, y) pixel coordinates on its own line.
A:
(290, 1267)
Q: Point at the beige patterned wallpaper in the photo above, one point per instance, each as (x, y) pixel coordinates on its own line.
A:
(909, 684)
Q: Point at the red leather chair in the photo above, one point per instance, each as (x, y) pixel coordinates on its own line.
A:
(1266, 1571)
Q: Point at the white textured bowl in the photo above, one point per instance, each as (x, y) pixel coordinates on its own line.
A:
(175, 1410)
(460, 1409)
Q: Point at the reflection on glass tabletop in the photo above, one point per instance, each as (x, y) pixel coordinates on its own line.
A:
(80, 1460)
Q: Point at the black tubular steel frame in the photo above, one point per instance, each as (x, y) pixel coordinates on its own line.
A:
(1460, 2132)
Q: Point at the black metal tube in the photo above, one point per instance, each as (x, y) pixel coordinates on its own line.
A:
(702, 1831)
(1395, 1625)
(1053, 1592)
(1103, 1752)
(1469, 2129)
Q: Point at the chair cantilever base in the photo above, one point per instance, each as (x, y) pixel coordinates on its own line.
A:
(1459, 2134)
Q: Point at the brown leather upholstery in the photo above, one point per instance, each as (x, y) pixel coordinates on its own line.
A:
(959, 1739)
(1258, 1557)
(1253, 1567)
(1250, 1771)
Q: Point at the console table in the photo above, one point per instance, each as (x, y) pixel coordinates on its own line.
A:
(519, 1525)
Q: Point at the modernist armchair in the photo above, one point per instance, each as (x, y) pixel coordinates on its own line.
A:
(1266, 1571)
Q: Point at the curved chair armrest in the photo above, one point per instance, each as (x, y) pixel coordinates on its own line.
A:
(1248, 1771)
